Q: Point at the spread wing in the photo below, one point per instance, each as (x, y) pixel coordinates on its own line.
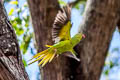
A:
(62, 25)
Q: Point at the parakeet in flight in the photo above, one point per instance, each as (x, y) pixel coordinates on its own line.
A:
(64, 44)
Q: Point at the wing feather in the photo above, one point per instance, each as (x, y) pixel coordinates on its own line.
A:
(62, 25)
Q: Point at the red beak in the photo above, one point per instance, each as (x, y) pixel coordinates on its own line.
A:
(83, 36)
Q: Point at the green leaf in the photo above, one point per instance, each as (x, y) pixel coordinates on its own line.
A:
(62, 2)
(24, 62)
(11, 11)
(106, 72)
(77, 6)
(18, 10)
(111, 64)
(26, 25)
(18, 20)
(115, 50)
(20, 31)
(25, 5)
(14, 24)
(25, 43)
(26, 19)
(13, 2)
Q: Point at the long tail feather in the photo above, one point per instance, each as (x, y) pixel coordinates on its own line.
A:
(47, 59)
(48, 45)
(52, 56)
(44, 56)
(37, 59)
(43, 60)
(37, 55)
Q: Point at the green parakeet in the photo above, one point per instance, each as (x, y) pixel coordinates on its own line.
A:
(64, 44)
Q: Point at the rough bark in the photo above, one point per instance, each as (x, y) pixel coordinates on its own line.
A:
(11, 66)
(100, 20)
(118, 24)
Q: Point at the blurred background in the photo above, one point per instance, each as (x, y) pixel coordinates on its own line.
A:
(19, 16)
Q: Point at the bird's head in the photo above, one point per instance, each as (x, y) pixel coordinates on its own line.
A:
(79, 36)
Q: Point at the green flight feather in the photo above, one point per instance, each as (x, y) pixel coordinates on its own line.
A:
(62, 25)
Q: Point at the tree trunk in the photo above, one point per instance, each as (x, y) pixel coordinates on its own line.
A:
(11, 66)
(99, 23)
(100, 20)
